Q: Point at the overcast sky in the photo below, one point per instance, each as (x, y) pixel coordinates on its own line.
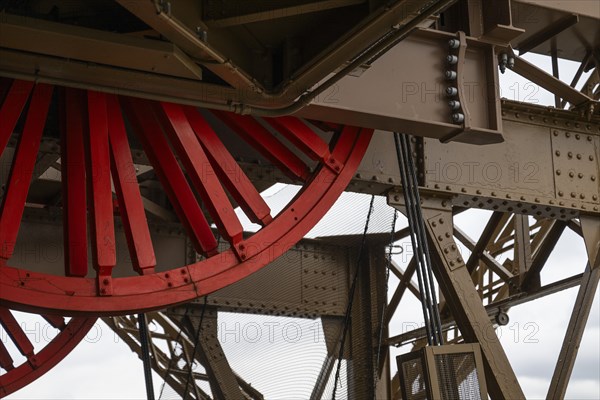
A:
(103, 367)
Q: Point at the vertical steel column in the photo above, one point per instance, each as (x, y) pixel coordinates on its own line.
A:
(363, 382)
(581, 310)
(465, 303)
(522, 256)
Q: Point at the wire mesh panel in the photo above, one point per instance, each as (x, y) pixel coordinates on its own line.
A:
(453, 372)
(457, 376)
(414, 379)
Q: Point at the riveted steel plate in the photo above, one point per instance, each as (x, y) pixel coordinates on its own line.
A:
(576, 168)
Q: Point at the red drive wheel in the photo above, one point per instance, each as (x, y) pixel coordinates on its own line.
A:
(36, 362)
(96, 131)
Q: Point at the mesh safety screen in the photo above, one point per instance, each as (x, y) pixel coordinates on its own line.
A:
(414, 379)
(457, 376)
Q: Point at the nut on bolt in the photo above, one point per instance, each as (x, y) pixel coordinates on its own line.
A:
(451, 91)
(451, 59)
(454, 43)
(502, 318)
(454, 105)
(503, 62)
(450, 75)
(458, 118)
(511, 62)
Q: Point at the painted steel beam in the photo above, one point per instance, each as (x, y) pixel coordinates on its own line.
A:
(364, 327)
(201, 325)
(71, 42)
(177, 364)
(546, 34)
(181, 22)
(581, 310)
(574, 333)
(279, 12)
(465, 303)
(484, 255)
(547, 166)
(494, 308)
(405, 90)
(552, 84)
(310, 280)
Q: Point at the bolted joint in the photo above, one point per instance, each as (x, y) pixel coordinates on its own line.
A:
(450, 75)
(503, 62)
(458, 118)
(454, 105)
(454, 43)
(451, 91)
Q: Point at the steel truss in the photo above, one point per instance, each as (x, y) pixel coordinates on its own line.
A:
(68, 136)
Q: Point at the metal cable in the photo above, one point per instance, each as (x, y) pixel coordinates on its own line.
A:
(424, 242)
(144, 342)
(351, 298)
(419, 240)
(387, 278)
(411, 222)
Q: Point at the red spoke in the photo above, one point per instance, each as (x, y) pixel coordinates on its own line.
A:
(5, 85)
(56, 321)
(11, 109)
(301, 136)
(131, 207)
(172, 178)
(200, 171)
(74, 185)
(6, 360)
(326, 126)
(266, 144)
(21, 171)
(44, 356)
(228, 171)
(15, 332)
(99, 188)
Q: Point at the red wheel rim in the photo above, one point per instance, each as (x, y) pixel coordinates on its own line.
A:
(37, 362)
(159, 126)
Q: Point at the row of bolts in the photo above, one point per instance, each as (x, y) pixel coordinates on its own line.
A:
(504, 61)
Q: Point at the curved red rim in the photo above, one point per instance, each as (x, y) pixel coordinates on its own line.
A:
(40, 362)
(77, 294)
